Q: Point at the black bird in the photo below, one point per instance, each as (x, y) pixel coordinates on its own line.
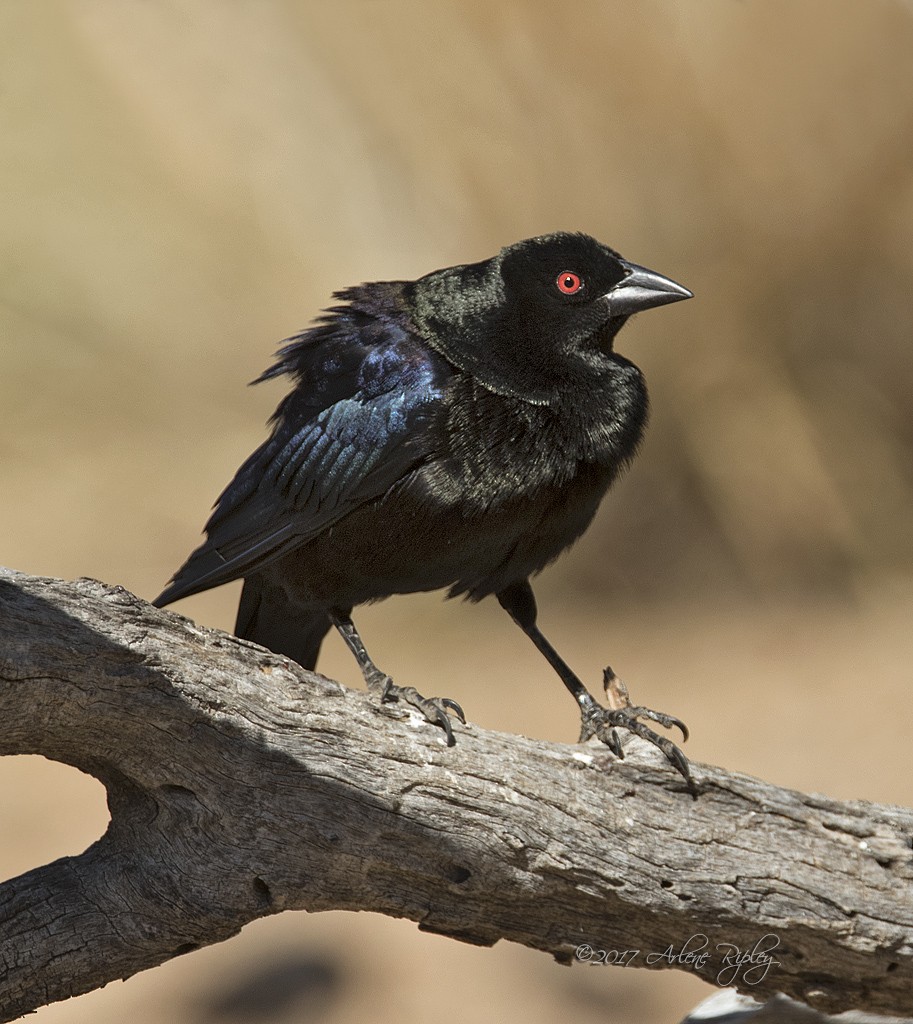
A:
(456, 431)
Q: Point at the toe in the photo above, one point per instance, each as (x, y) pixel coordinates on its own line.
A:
(660, 717)
(604, 723)
(437, 715)
(433, 708)
(455, 708)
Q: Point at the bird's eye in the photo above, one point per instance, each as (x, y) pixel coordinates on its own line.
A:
(569, 283)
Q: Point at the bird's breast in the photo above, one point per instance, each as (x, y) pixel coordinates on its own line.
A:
(502, 489)
(489, 449)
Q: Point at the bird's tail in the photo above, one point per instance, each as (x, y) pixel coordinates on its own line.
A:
(268, 618)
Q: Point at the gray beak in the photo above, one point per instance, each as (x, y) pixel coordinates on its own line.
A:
(642, 289)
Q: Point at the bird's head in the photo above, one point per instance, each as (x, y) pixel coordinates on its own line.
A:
(570, 291)
(522, 320)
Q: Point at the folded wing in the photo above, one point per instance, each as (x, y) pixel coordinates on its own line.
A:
(358, 421)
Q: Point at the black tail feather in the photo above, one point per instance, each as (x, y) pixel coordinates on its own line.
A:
(268, 618)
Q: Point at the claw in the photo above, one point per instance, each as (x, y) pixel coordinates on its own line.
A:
(433, 708)
(680, 762)
(666, 721)
(614, 744)
(452, 704)
(603, 723)
(436, 715)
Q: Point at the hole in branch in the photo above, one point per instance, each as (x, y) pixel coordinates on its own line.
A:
(47, 810)
(262, 892)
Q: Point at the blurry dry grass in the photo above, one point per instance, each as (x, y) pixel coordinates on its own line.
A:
(183, 184)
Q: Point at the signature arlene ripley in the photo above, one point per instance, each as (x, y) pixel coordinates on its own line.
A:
(752, 965)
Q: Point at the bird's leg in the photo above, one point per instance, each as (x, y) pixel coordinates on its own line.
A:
(595, 720)
(433, 708)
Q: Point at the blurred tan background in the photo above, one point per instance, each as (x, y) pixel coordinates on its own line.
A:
(182, 184)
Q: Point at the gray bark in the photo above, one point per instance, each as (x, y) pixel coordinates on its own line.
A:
(241, 785)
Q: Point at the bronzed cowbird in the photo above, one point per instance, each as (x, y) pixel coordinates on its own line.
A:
(455, 431)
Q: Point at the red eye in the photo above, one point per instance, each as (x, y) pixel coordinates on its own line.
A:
(568, 283)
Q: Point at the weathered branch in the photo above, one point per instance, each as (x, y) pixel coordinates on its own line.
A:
(241, 785)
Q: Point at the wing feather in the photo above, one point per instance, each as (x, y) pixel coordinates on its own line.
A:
(364, 426)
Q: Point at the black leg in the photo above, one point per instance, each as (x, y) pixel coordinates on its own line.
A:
(519, 602)
(433, 708)
(595, 720)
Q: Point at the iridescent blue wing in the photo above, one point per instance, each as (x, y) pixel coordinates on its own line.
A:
(358, 420)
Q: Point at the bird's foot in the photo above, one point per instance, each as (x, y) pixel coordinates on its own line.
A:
(602, 722)
(433, 708)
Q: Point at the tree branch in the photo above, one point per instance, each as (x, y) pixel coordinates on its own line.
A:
(241, 785)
